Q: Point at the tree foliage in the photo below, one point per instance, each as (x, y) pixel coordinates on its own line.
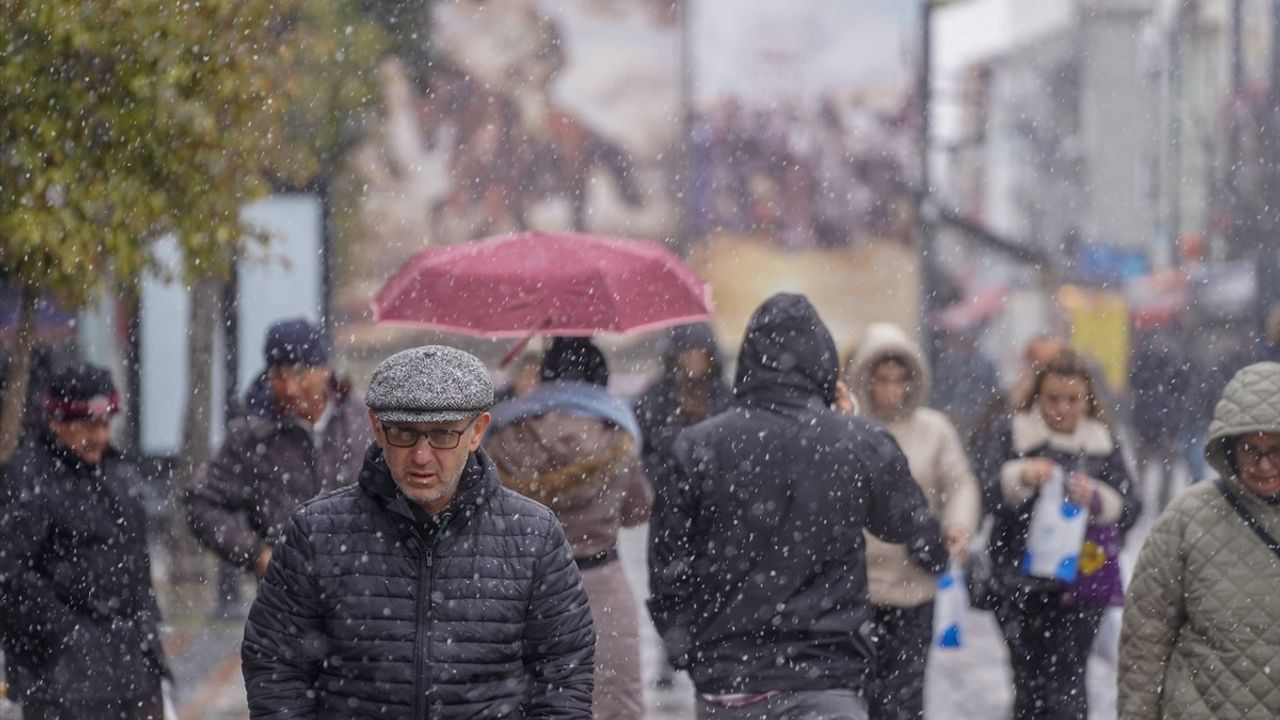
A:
(123, 121)
(128, 119)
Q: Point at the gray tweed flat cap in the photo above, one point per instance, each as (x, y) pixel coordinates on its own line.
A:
(433, 383)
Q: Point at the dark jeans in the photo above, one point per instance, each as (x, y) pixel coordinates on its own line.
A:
(1049, 653)
(902, 637)
(148, 706)
(804, 705)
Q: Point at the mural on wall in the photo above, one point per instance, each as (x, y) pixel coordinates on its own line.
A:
(804, 120)
(529, 115)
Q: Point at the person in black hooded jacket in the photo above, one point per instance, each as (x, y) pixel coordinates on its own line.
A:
(756, 555)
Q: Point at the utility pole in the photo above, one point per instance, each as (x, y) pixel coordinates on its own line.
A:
(924, 225)
(1267, 248)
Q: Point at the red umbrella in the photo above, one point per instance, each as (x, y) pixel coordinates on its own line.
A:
(553, 283)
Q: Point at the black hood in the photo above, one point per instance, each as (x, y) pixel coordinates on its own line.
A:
(697, 336)
(787, 350)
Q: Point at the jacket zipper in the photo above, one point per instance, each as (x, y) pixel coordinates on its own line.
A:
(422, 655)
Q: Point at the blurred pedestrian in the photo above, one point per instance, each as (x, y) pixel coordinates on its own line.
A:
(756, 555)
(1164, 396)
(572, 446)
(967, 384)
(1059, 426)
(690, 387)
(1269, 348)
(523, 376)
(889, 378)
(426, 589)
(304, 432)
(1201, 632)
(78, 613)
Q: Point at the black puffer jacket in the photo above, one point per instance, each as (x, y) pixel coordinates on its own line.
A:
(757, 557)
(78, 614)
(370, 608)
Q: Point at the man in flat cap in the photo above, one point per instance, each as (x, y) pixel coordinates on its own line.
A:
(426, 589)
(303, 433)
(78, 613)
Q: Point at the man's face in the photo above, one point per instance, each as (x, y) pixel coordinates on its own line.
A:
(301, 390)
(426, 474)
(88, 439)
(1258, 463)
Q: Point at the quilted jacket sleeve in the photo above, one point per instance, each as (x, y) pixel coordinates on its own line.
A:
(284, 645)
(559, 635)
(1153, 613)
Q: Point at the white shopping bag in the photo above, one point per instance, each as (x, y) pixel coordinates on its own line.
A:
(1056, 533)
(950, 606)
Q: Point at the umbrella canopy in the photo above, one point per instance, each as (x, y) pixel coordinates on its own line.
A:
(554, 283)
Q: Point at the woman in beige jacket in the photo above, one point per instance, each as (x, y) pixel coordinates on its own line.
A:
(1201, 634)
(890, 381)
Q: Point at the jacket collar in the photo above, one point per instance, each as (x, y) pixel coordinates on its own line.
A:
(67, 458)
(1031, 432)
(478, 484)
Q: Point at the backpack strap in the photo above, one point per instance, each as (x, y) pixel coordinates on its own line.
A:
(1248, 518)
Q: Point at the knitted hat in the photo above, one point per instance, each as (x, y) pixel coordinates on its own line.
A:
(81, 392)
(295, 342)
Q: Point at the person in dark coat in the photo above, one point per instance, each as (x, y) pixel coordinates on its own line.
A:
(1164, 393)
(303, 433)
(1060, 425)
(690, 388)
(78, 613)
(757, 555)
(426, 589)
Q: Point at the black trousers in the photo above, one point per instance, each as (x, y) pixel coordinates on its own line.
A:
(902, 637)
(1049, 647)
(147, 706)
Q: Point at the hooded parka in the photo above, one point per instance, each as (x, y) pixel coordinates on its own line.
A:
(901, 591)
(1201, 633)
(756, 552)
(373, 609)
(935, 455)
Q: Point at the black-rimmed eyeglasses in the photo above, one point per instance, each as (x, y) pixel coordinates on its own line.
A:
(1256, 454)
(438, 438)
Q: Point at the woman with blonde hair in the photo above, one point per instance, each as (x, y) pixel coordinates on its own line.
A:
(1058, 429)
